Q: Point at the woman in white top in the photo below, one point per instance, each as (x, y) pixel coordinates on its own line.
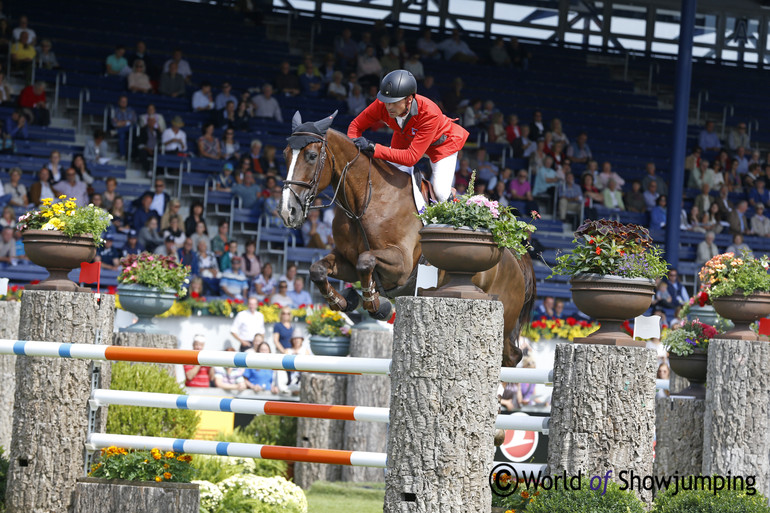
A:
(160, 121)
(55, 167)
(138, 81)
(556, 132)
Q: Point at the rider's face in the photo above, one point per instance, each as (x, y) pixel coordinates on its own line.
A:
(399, 108)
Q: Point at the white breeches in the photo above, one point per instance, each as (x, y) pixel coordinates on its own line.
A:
(442, 177)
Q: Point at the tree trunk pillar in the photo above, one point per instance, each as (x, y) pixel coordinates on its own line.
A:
(50, 417)
(444, 377)
(603, 410)
(736, 426)
(9, 328)
(679, 436)
(368, 391)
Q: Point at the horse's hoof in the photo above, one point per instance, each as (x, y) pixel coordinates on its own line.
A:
(352, 298)
(384, 312)
(499, 437)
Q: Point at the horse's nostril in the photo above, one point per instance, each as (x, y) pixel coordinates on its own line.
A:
(293, 211)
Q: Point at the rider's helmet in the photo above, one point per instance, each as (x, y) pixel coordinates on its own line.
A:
(397, 85)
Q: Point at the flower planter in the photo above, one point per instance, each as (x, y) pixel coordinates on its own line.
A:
(693, 367)
(705, 314)
(93, 495)
(145, 303)
(461, 253)
(742, 310)
(611, 300)
(59, 255)
(329, 346)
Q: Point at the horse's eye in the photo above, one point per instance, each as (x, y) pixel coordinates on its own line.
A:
(311, 156)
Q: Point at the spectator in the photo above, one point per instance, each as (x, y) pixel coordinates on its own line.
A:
(512, 129)
(144, 212)
(579, 151)
(759, 195)
(658, 213)
(226, 118)
(141, 54)
(203, 99)
(7, 246)
(693, 221)
(557, 133)
(79, 165)
(523, 146)
(738, 247)
(231, 251)
(109, 194)
(95, 151)
(752, 176)
(486, 171)
(183, 66)
(708, 139)
(16, 125)
(739, 222)
(198, 376)
(160, 198)
(536, 126)
(607, 174)
(23, 28)
(336, 90)
(676, 288)
(613, 198)
(242, 116)
(472, 115)
(231, 379)
(225, 96)
(41, 189)
(172, 83)
(225, 180)
(760, 224)
(230, 147)
(267, 106)
(703, 174)
(283, 330)
(8, 220)
(261, 380)
(199, 234)
(498, 53)
(724, 203)
(291, 274)
(496, 131)
(23, 55)
(175, 139)
(119, 215)
(739, 138)
(346, 49)
(248, 192)
(16, 189)
(634, 199)
(5, 91)
(108, 254)
(369, 68)
(310, 79)
(280, 297)
(546, 178)
(570, 197)
(132, 246)
(174, 226)
(269, 163)
(743, 161)
(356, 101)
(316, 233)
(693, 160)
(712, 220)
(452, 98)
(208, 266)
(266, 283)
(247, 324)
(73, 188)
(520, 56)
(195, 217)
(187, 256)
(299, 296)
(150, 137)
(661, 187)
(427, 48)
(651, 195)
(414, 66)
(286, 82)
(233, 282)
(707, 249)
(546, 308)
(457, 50)
(123, 119)
(219, 241)
(116, 63)
(33, 100)
(138, 80)
(520, 190)
(252, 265)
(208, 145)
(271, 208)
(168, 248)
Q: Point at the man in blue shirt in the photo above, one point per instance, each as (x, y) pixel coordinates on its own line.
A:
(546, 178)
(123, 119)
(708, 139)
(299, 296)
(107, 254)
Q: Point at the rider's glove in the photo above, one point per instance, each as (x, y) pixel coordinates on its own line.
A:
(364, 144)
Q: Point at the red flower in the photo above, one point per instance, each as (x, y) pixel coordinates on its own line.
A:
(112, 289)
(14, 288)
(592, 241)
(598, 251)
(571, 321)
(622, 253)
(34, 282)
(303, 305)
(703, 298)
(457, 200)
(535, 214)
(194, 295)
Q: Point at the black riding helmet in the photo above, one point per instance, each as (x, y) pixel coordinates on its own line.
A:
(397, 85)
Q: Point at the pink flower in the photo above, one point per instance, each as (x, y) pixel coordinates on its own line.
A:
(151, 258)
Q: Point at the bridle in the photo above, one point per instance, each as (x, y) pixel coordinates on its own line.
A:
(313, 185)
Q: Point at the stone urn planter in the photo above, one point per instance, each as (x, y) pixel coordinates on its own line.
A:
(611, 300)
(145, 303)
(693, 367)
(59, 254)
(329, 346)
(705, 314)
(460, 253)
(742, 311)
(94, 495)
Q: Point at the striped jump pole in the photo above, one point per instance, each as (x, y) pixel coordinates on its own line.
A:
(302, 363)
(101, 397)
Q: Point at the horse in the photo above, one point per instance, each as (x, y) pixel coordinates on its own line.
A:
(376, 230)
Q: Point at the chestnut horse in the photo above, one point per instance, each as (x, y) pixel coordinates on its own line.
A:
(376, 231)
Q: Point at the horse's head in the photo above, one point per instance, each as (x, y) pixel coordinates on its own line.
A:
(306, 159)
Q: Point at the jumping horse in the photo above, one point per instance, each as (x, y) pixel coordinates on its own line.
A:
(376, 231)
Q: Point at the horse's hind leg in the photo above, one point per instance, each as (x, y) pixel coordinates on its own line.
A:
(336, 265)
(380, 310)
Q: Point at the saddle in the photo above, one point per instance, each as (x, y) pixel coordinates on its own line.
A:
(425, 187)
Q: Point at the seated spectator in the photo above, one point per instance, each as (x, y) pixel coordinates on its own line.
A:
(523, 146)
(220, 102)
(260, 380)
(557, 152)
(661, 187)
(168, 248)
(557, 132)
(172, 83)
(15, 129)
(97, 200)
(751, 176)
(546, 178)
(738, 247)
(33, 101)
(704, 200)
(227, 378)
(512, 129)
(108, 254)
(759, 195)
(226, 118)
(233, 282)
(231, 251)
(226, 180)
(369, 68)
(499, 193)
(116, 63)
(265, 284)
(457, 50)
(23, 55)
(23, 28)
(196, 288)
(132, 246)
(658, 213)
(7, 246)
(199, 234)
(16, 189)
(195, 217)
(182, 65)
(41, 189)
(634, 199)
(252, 265)
(174, 229)
(138, 80)
(570, 197)
(712, 219)
(72, 188)
(472, 114)
(219, 241)
(248, 192)
(486, 171)
(286, 82)
(150, 138)
(739, 222)
(743, 161)
(299, 296)
(272, 207)
(119, 215)
(651, 195)
(316, 233)
(79, 165)
(662, 297)
(310, 80)
(739, 138)
(498, 53)
(708, 139)
(95, 151)
(607, 174)
(414, 66)
(144, 212)
(356, 101)
(142, 54)
(203, 98)
(198, 376)
(760, 224)
(279, 297)
(496, 130)
(175, 139)
(5, 91)
(242, 116)
(267, 106)
(613, 198)
(208, 145)
(591, 194)
(248, 324)
(694, 220)
(707, 249)
(8, 219)
(123, 119)
(700, 175)
(207, 261)
(546, 308)
(269, 163)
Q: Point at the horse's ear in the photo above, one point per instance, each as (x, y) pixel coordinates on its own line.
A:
(296, 121)
(324, 124)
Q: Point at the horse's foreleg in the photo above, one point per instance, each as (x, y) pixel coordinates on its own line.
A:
(379, 310)
(512, 354)
(336, 265)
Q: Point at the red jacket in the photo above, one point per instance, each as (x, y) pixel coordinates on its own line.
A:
(425, 125)
(29, 99)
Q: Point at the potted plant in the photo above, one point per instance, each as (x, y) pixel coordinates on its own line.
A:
(148, 481)
(148, 286)
(739, 289)
(467, 235)
(688, 354)
(329, 332)
(613, 267)
(60, 236)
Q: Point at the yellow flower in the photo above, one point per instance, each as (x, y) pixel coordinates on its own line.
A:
(165, 465)
(156, 455)
(47, 201)
(73, 199)
(158, 479)
(167, 475)
(63, 196)
(47, 214)
(169, 454)
(70, 204)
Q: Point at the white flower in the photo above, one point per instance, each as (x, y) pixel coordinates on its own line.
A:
(48, 226)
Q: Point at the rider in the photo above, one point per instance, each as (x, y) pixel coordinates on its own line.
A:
(419, 127)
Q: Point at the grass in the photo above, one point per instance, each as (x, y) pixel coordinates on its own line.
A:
(326, 497)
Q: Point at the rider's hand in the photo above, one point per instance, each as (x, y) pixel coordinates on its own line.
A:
(364, 144)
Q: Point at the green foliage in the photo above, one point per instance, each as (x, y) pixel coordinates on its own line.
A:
(479, 212)
(137, 420)
(327, 323)
(150, 270)
(273, 430)
(154, 465)
(219, 468)
(691, 335)
(611, 248)
(325, 497)
(583, 500)
(724, 274)
(703, 500)
(65, 216)
(4, 463)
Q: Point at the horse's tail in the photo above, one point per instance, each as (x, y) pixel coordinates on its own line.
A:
(530, 294)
